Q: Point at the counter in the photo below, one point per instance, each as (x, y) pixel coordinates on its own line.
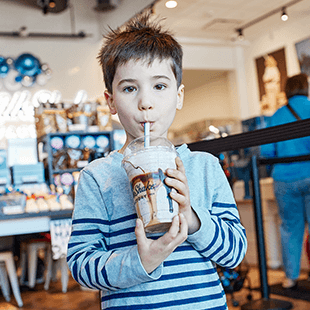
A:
(27, 223)
(271, 225)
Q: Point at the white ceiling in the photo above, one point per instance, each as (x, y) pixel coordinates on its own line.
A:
(214, 20)
(218, 19)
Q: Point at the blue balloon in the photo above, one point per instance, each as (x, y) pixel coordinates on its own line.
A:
(18, 78)
(4, 67)
(27, 64)
(4, 70)
(222, 156)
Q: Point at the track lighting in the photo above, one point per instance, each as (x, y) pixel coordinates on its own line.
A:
(171, 4)
(240, 34)
(284, 16)
(47, 5)
(52, 4)
(281, 10)
(23, 33)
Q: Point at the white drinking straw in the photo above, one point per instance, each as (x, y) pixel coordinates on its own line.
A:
(146, 134)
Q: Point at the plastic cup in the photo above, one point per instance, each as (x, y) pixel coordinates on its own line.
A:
(145, 168)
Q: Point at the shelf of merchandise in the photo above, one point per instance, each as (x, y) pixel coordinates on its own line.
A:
(46, 140)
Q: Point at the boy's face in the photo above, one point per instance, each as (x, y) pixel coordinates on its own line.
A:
(145, 93)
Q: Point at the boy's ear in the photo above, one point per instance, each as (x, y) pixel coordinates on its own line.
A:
(180, 97)
(110, 102)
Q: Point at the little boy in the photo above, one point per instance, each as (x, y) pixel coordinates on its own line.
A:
(108, 249)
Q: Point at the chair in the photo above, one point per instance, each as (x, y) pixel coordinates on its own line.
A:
(7, 268)
(61, 263)
(29, 250)
(4, 283)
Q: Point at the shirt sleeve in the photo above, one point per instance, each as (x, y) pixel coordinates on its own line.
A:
(90, 261)
(221, 237)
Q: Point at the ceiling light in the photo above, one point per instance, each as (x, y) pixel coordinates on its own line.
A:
(171, 4)
(23, 32)
(281, 9)
(45, 9)
(284, 16)
(52, 4)
(44, 4)
(240, 34)
(214, 129)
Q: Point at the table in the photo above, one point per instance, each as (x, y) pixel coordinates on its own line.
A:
(28, 223)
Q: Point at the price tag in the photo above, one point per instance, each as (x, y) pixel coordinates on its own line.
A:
(13, 210)
(60, 233)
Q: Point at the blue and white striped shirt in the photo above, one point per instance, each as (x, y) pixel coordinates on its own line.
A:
(102, 252)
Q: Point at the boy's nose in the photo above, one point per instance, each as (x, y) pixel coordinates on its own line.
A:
(145, 104)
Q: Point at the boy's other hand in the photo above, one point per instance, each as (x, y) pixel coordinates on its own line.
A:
(153, 252)
(176, 179)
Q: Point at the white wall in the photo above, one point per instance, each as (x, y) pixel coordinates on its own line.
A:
(239, 61)
(75, 66)
(210, 101)
(73, 61)
(286, 35)
(220, 98)
(202, 54)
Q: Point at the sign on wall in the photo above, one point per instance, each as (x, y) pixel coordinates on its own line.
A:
(303, 54)
(271, 75)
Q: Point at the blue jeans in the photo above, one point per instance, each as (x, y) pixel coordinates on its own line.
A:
(294, 209)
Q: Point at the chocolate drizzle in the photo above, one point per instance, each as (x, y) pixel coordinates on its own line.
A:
(135, 167)
(168, 189)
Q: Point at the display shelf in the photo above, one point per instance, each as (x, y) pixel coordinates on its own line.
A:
(74, 141)
(52, 214)
(66, 170)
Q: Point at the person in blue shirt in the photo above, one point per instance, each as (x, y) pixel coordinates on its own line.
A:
(292, 180)
(109, 249)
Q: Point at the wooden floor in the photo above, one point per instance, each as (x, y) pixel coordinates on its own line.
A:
(274, 277)
(38, 299)
(77, 298)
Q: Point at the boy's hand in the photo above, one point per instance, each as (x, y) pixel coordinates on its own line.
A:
(153, 252)
(177, 180)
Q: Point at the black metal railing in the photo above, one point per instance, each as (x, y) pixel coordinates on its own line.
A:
(259, 137)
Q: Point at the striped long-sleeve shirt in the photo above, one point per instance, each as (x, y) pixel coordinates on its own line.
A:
(102, 252)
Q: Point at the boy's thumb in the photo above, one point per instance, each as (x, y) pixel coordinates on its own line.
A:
(139, 231)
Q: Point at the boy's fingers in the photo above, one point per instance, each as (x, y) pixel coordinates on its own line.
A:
(177, 233)
(177, 183)
(183, 226)
(170, 235)
(179, 164)
(175, 226)
(177, 174)
(140, 233)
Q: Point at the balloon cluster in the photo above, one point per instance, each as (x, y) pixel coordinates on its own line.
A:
(26, 70)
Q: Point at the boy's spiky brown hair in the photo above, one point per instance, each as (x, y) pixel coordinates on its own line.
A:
(139, 39)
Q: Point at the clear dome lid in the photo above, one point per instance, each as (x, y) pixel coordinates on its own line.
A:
(138, 145)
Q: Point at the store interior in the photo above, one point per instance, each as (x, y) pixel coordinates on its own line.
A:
(54, 120)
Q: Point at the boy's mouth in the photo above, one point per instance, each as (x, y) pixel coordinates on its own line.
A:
(143, 123)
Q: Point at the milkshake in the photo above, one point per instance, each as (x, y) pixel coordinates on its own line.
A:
(145, 168)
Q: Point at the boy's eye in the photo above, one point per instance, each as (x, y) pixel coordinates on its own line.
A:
(129, 89)
(160, 86)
